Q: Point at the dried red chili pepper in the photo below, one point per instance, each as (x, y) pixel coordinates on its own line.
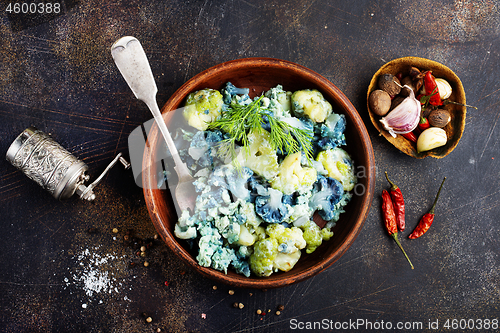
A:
(431, 89)
(398, 203)
(427, 219)
(390, 220)
(410, 136)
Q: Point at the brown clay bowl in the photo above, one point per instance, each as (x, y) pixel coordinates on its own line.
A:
(455, 127)
(261, 74)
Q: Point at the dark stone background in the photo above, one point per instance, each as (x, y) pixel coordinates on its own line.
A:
(56, 73)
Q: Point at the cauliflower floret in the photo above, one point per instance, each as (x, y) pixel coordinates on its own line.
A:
(331, 134)
(262, 158)
(328, 192)
(310, 102)
(279, 100)
(292, 176)
(231, 90)
(262, 259)
(202, 107)
(339, 166)
(272, 208)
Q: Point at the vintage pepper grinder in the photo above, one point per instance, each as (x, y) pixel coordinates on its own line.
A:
(52, 167)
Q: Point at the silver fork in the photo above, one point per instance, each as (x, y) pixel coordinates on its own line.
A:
(131, 60)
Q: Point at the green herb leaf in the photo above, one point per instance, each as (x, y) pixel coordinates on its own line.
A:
(240, 120)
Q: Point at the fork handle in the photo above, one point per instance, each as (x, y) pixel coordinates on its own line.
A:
(133, 64)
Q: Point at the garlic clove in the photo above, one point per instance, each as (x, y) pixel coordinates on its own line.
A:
(431, 138)
(444, 88)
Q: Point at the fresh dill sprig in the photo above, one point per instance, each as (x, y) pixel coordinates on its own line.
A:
(240, 120)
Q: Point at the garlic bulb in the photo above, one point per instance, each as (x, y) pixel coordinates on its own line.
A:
(403, 118)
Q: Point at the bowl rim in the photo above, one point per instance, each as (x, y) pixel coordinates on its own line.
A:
(273, 281)
(460, 92)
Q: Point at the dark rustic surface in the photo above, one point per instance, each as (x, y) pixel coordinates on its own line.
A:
(56, 73)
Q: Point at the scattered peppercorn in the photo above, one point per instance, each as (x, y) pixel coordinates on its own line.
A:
(143, 248)
(93, 230)
(250, 294)
(214, 287)
(143, 254)
(235, 305)
(126, 237)
(281, 307)
(231, 292)
(115, 230)
(259, 311)
(278, 313)
(146, 264)
(149, 319)
(241, 306)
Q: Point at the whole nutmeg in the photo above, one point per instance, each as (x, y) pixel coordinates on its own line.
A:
(380, 102)
(396, 101)
(389, 83)
(439, 118)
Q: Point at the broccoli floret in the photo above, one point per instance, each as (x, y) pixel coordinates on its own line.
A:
(292, 176)
(280, 251)
(327, 193)
(202, 107)
(339, 166)
(262, 259)
(262, 158)
(311, 103)
(271, 207)
(230, 90)
(289, 239)
(331, 133)
(312, 236)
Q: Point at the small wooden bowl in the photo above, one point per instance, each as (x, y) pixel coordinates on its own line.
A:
(261, 74)
(455, 127)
